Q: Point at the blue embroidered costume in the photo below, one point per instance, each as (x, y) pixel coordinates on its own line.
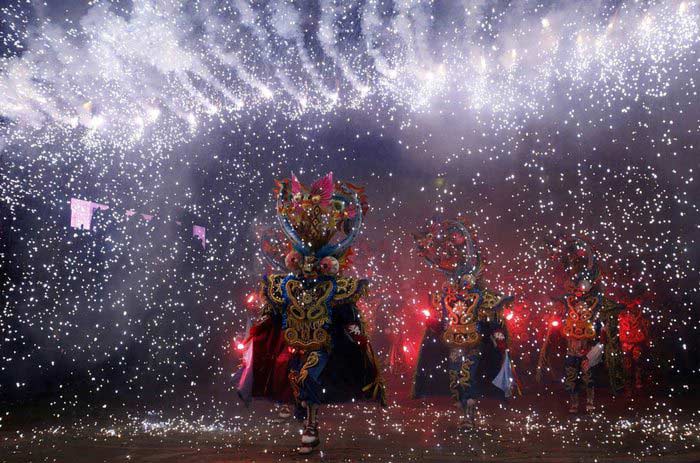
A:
(589, 328)
(309, 345)
(470, 321)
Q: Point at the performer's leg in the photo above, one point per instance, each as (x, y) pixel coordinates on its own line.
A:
(628, 364)
(454, 368)
(472, 391)
(637, 364)
(590, 389)
(454, 364)
(573, 403)
(470, 415)
(467, 388)
(310, 392)
(295, 365)
(309, 437)
(572, 366)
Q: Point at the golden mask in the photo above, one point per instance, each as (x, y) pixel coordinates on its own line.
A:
(462, 318)
(579, 317)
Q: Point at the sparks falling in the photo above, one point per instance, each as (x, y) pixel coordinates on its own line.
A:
(531, 119)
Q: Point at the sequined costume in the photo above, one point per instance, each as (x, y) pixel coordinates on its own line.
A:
(309, 344)
(469, 323)
(634, 337)
(590, 321)
(589, 326)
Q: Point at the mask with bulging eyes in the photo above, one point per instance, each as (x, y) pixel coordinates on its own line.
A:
(467, 281)
(583, 287)
(308, 267)
(329, 265)
(293, 261)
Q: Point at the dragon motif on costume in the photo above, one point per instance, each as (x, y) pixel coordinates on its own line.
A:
(590, 323)
(309, 308)
(470, 319)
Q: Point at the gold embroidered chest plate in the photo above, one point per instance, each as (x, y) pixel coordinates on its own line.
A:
(307, 313)
(462, 314)
(579, 317)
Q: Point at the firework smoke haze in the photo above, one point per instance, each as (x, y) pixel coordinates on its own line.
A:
(108, 68)
(530, 118)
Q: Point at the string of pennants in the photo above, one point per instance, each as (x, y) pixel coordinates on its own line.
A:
(81, 212)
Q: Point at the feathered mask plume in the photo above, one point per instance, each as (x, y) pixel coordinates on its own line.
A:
(311, 217)
(578, 258)
(449, 246)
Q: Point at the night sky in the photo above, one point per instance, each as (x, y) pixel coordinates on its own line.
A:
(531, 119)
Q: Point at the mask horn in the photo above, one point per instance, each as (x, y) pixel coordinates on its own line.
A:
(592, 271)
(336, 250)
(287, 228)
(474, 267)
(267, 248)
(471, 261)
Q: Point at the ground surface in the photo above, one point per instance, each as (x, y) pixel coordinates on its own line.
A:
(534, 429)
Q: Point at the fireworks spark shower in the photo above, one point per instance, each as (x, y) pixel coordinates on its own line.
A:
(497, 201)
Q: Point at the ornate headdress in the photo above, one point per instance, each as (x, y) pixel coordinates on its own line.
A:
(580, 261)
(321, 222)
(274, 246)
(449, 246)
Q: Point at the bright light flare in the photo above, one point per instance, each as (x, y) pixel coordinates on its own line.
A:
(266, 93)
(152, 114)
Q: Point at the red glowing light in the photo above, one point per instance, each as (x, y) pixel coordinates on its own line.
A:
(426, 312)
(405, 348)
(555, 323)
(251, 298)
(240, 346)
(510, 315)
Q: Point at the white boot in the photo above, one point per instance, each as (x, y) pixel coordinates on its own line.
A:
(284, 412)
(309, 439)
(468, 422)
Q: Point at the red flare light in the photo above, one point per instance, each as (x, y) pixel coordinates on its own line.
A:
(555, 323)
(426, 312)
(240, 346)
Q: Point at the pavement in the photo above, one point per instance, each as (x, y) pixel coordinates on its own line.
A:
(527, 429)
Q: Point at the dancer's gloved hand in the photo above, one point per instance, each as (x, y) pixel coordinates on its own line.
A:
(499, 340)
(260, 325)
(353, 330)
(585, 365)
